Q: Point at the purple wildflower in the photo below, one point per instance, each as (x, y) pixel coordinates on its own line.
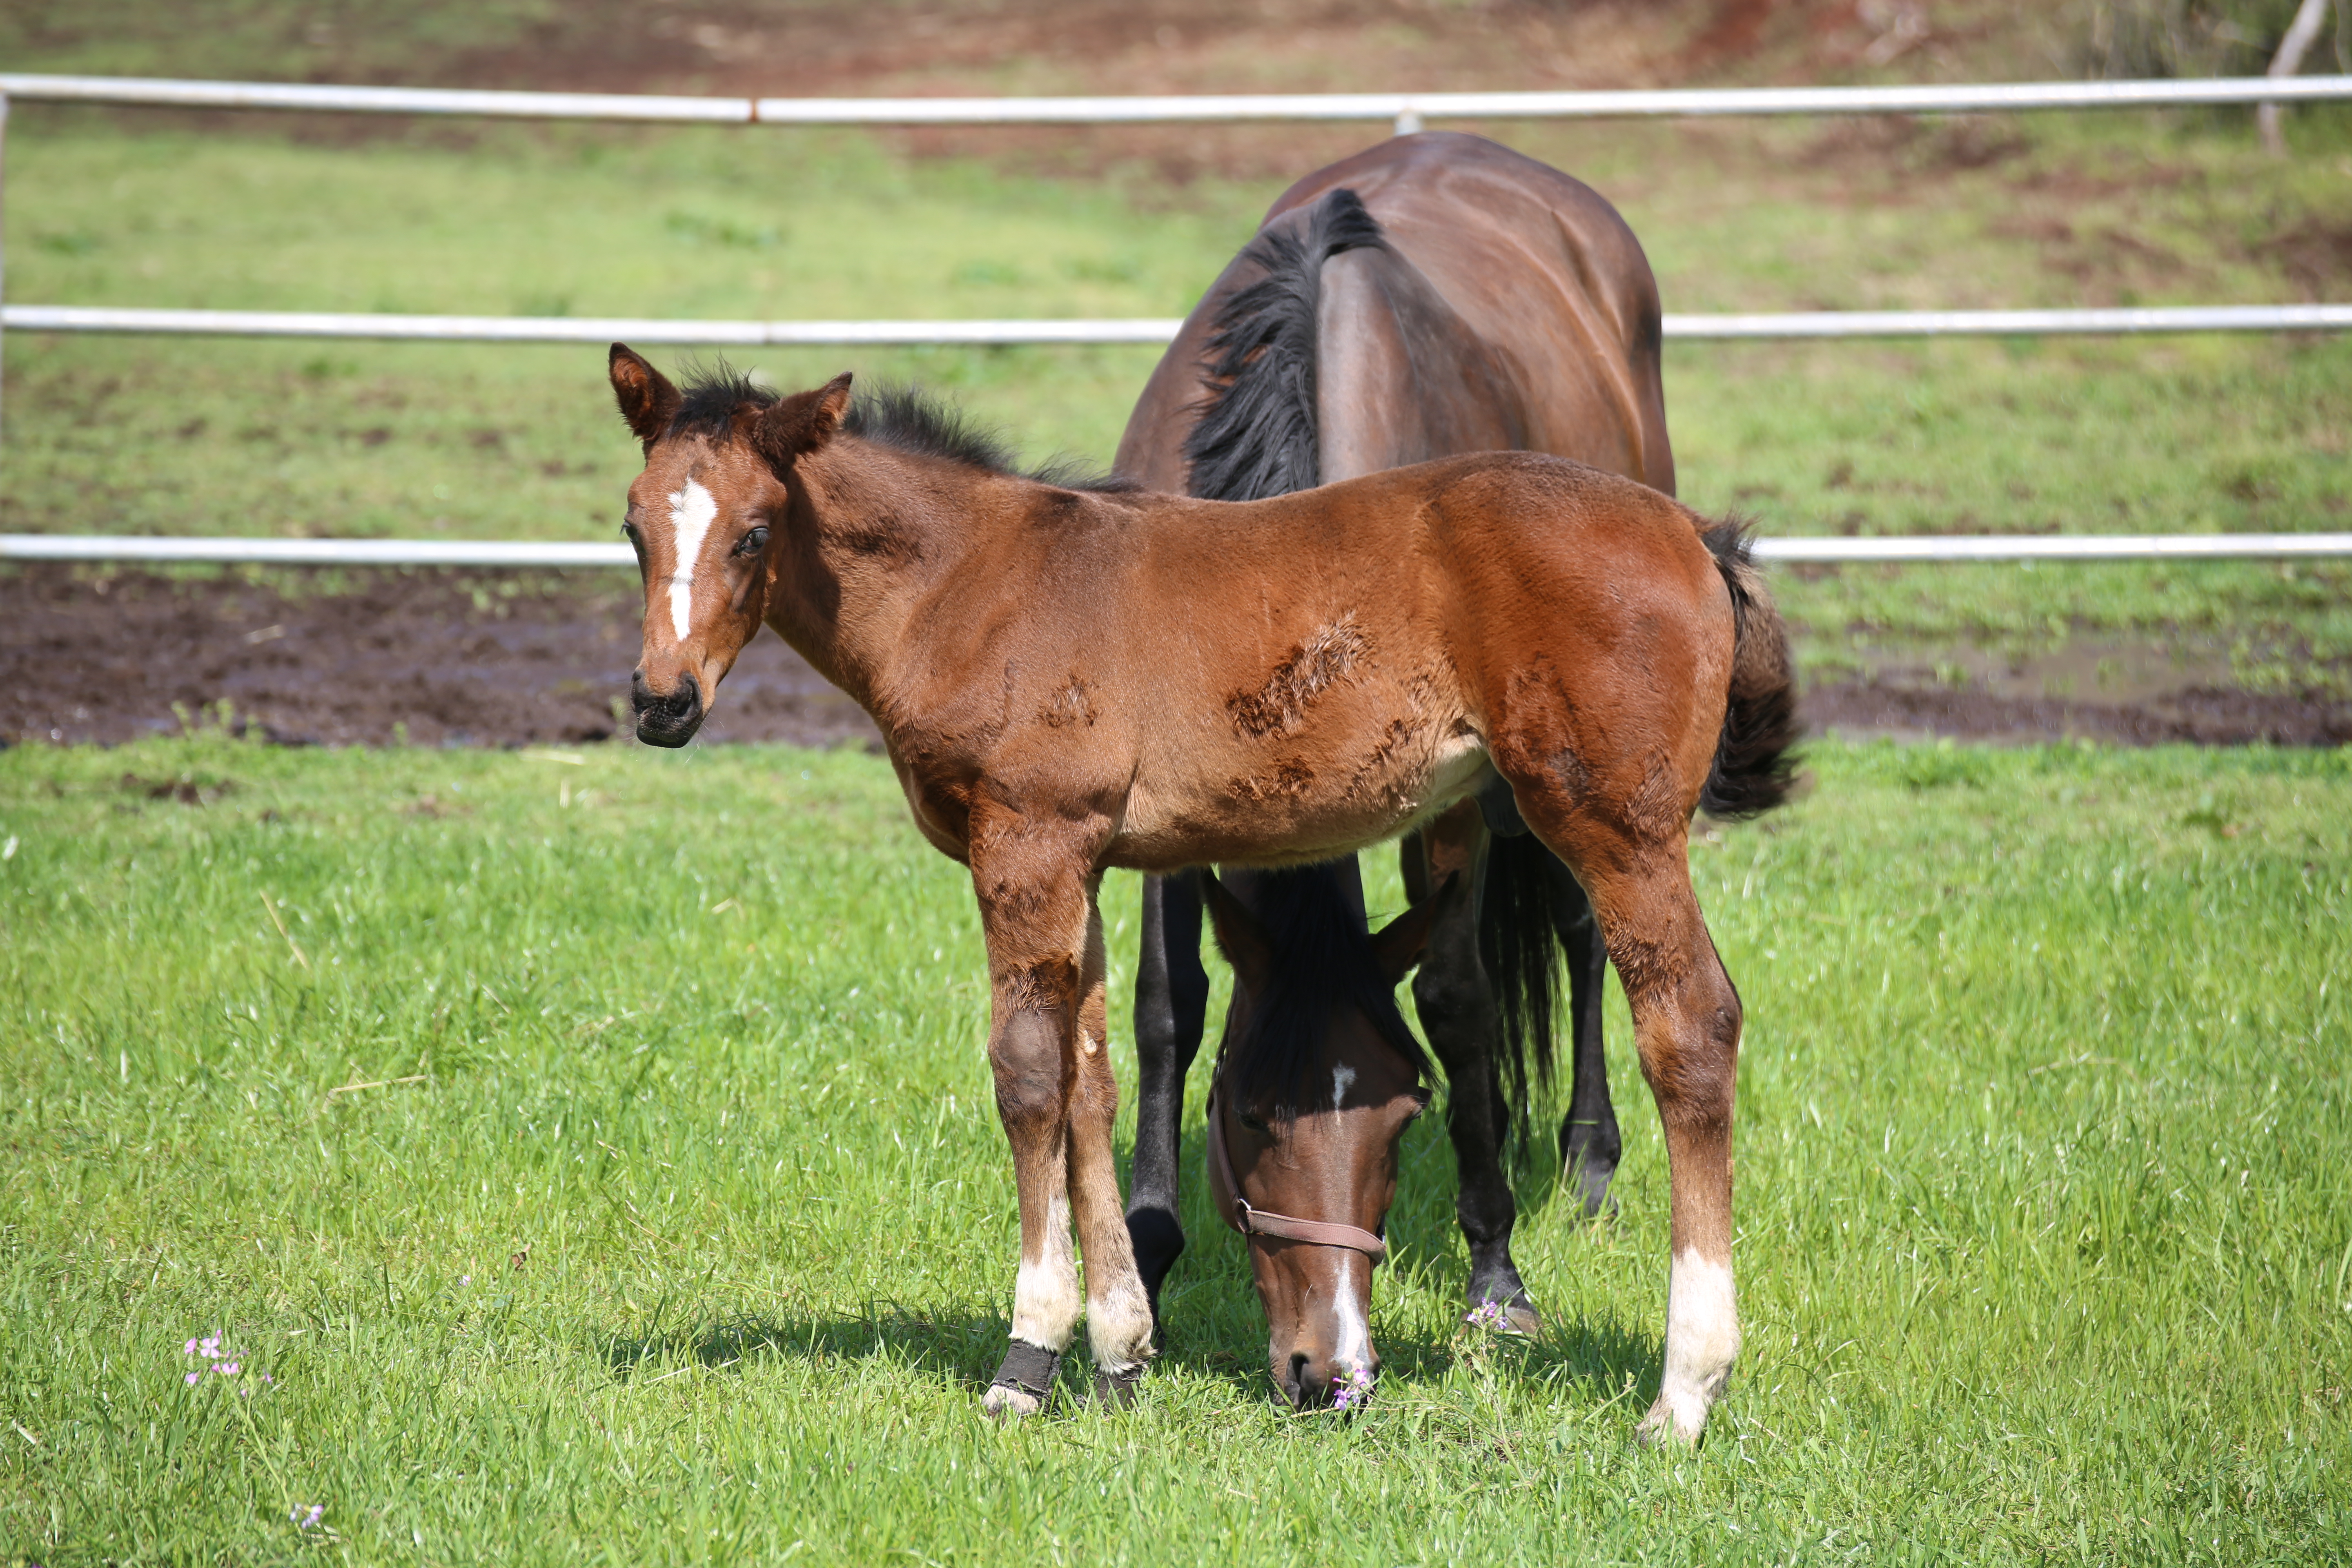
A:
(228, 1368)
(192, 1378)
(1352, 1389)
(309, 1521)
(188, 1349)
(1490, 1316)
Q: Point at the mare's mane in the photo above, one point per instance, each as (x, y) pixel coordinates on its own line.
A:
(1323, 960)
(906, 418)
(1256, 438)
(1256, 435)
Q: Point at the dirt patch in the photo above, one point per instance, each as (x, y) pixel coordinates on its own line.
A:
(2212, 716)
(447, 659)
(437, 657)
(2316, 255)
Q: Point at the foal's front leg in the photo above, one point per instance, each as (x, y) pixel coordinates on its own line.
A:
(1056, 1099)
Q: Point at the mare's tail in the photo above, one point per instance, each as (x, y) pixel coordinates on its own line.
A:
(1754, 768)
(1523, 932)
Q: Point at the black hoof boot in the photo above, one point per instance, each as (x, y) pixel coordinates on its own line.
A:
(1024, 1382)
(1115, 1390)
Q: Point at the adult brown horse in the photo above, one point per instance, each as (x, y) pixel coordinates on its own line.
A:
(1068, 681)
(1437, 294)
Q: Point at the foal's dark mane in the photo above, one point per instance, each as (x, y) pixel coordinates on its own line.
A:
(1323, 960)
(1256, 435)
(906, 418)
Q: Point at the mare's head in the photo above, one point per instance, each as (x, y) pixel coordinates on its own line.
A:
(705, 518)
(1318, 1077)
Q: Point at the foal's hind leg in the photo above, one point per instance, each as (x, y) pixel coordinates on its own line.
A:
(1172, 1000)
(1628, 848)
(1456, 1005)
(1589, 1146)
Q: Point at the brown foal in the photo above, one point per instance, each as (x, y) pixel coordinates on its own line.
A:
(1069, 681)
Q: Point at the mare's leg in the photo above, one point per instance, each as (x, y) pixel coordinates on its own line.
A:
(1456, 1005)
(1589, 1146)
(1118, 1309)
(1034, 883)
(1625, 839)
(1171, 1002)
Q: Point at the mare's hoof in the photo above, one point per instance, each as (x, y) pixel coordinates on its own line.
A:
(1023, 1383)
(1592, 1174)
(1115, 1390)
(1505, 1308)
(1665, 1424)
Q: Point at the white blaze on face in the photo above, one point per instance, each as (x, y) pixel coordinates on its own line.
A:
(1342, 1076)
(1352, 1351)
(691, 512)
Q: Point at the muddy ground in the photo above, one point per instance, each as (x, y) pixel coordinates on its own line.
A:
(453, 658)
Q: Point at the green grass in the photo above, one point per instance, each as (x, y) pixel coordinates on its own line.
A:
(207, 437)
(2043, 1210)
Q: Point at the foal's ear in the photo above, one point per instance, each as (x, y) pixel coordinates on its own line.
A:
(648, 401)
(802, 422)
(1242, 937)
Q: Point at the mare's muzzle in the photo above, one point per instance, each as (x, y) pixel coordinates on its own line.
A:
(669, 720)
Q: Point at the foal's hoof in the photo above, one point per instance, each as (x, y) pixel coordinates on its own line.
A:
(1115, 1390)
(1003, 1402)
(1669, 1424)
(1024, 1382)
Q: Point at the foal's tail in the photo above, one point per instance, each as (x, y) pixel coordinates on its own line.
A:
(1754, 770)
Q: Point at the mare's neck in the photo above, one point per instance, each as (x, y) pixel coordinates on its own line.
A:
(869, 531)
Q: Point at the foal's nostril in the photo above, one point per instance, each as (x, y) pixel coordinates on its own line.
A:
(669, 720)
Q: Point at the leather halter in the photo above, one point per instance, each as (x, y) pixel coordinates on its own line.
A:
(1225, 1190)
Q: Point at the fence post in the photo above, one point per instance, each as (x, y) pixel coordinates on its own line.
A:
(4, 209)
(1407, 122)
(2301, 33)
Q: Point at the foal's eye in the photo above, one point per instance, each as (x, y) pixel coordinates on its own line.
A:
(753, 542)
(1252, 1122)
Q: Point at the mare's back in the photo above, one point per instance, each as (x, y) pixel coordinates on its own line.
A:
(1534, 269)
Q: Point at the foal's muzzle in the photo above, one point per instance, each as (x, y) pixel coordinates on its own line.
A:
(669, 720)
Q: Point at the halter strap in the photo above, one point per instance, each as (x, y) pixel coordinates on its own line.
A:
(1237, 1213)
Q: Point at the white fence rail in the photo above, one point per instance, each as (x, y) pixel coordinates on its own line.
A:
(180, 550)
(1405, 110)
(1130, 330)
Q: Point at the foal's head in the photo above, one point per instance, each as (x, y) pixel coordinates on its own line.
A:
(1318, 1077)
(705, 518)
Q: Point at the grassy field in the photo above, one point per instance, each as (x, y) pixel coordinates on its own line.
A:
(600, 1166)
(149, 436)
